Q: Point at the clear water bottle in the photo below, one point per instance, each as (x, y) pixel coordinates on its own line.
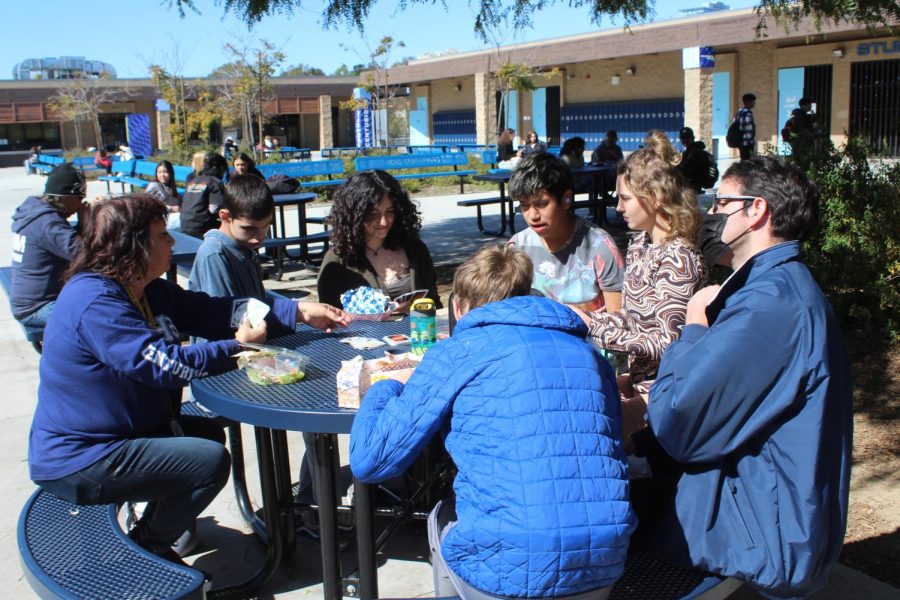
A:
(422, 325)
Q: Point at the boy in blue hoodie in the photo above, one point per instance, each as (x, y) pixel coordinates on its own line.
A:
(44, 242)
(532, 420)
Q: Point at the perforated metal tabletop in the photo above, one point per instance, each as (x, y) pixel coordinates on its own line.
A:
(308, 405)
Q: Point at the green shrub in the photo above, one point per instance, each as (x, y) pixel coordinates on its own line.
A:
(855, 254)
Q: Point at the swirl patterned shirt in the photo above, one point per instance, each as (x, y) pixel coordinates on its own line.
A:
(659, 281)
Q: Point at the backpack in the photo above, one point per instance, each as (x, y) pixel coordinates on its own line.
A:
(282, 184)
(711, 175)
(734, 137)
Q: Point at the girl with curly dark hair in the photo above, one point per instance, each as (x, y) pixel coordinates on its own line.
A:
(375, 241)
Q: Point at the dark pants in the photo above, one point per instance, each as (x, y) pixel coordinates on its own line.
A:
(177, 476)
(746, 152)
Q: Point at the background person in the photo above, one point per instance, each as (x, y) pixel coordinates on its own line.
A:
(203, 197)
(32, 157)
(196, 165)
(111, 378)
(102, 160)
(375, 241)
(608, 151)
(165, 189)
(747, 126)
(575, 262)
(505, 141)
(572, 153)
(43, 244)
(694, 163)
(532, 145)
(245, 165)
(531, 517)
(760, 380)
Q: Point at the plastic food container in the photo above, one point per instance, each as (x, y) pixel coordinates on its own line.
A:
(269, 365)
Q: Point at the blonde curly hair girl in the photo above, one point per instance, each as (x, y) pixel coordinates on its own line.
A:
(652, 175)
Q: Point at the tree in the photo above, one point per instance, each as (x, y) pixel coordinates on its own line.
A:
(871, 13)
(301, 70)
(345, 71)
(246, 83)
(81, 101)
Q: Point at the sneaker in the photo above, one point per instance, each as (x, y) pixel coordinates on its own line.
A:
(171, 556)
(345, 521)
(308, 525)
(188, 541)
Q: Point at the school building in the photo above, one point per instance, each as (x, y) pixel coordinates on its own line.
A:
(303, 113)
(651, 78)
(691, 71)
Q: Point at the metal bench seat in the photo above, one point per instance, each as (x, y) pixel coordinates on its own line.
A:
(79, 551)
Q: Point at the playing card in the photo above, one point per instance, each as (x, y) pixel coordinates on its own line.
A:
(248, 308)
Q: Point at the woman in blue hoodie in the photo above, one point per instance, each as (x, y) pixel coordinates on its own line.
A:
(106, 427)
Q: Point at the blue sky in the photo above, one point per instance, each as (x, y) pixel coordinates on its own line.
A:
(133, 34)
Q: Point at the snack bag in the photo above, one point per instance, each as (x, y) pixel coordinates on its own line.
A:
(356, 376)
(270, 365)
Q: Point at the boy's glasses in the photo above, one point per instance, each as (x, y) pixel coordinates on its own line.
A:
(720, 200)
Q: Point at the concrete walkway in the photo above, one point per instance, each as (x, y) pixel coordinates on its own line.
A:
(229, 551)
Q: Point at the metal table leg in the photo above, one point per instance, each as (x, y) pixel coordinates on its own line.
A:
(272, 515)
(326, 443)
(365, 541)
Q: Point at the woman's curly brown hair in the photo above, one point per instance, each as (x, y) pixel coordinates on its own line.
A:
(353, 202)
(115, 237)
(653, 176)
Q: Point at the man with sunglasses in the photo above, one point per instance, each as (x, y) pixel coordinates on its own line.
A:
(754, 399)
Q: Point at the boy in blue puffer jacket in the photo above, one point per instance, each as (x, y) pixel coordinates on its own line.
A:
(532, 422)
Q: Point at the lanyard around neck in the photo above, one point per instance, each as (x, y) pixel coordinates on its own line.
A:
(142, 305)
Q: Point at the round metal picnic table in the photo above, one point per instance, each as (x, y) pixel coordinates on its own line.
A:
(309, 405)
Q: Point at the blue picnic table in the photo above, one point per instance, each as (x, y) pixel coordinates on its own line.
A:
(183, 253)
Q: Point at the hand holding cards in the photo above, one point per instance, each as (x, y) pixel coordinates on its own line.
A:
(253, 310)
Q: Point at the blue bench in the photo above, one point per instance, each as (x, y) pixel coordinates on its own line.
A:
(46, 162)
(35, 335)
(79, 551)
(121, 169)
(488, 157)
(426, 149)
(142, 168)
(86, 163)
(339, 151)
(312, 168)
(421, 161)
(295, 153)
(475, 147)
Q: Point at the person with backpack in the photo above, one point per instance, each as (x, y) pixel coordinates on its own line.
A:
(742, 131)
(697, 165)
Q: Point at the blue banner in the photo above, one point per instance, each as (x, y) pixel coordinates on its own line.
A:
(362, 120)
(138, 129)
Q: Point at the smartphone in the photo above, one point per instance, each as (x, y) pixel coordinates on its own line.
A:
(410, 296)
